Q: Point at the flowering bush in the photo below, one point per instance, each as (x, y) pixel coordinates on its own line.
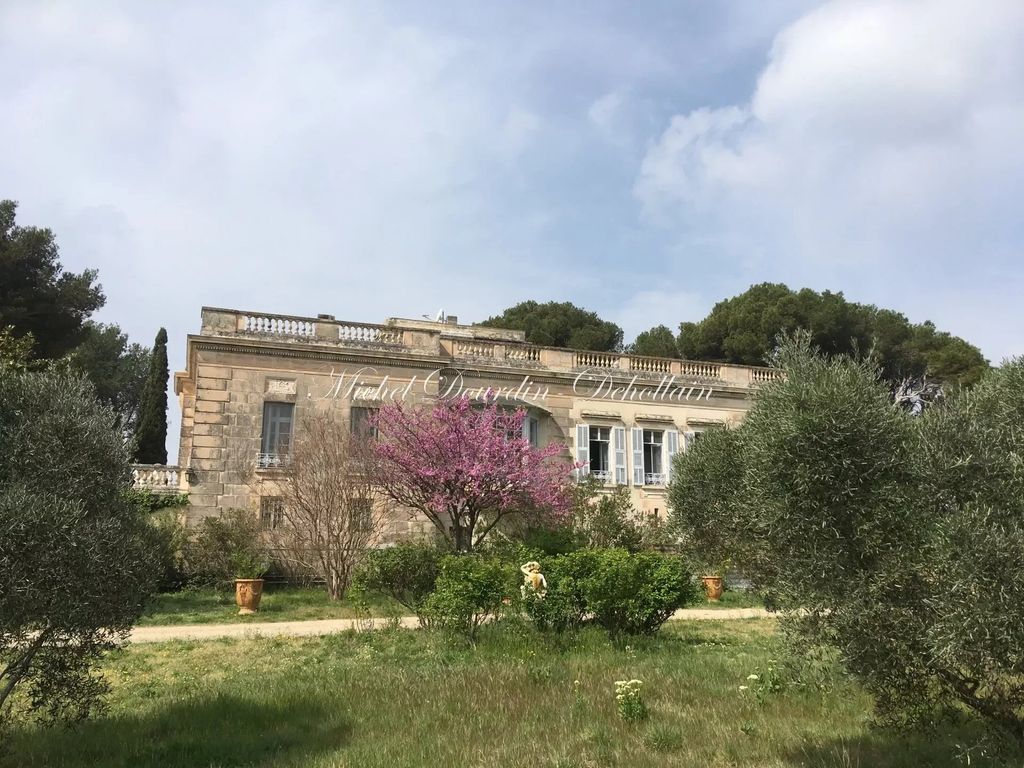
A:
(467, 468)
(630, 701)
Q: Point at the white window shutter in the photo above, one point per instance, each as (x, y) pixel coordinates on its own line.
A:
(637, 436)
(526, 427)
(620, 455)
(672, 448)
(688, 438)
(583, 449)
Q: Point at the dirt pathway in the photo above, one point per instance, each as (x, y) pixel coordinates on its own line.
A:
(328, 626)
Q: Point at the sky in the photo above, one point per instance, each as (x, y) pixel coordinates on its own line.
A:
(643, 160)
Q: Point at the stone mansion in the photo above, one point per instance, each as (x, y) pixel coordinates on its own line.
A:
(250, 376)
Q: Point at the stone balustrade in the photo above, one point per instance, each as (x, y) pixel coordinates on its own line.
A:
(597, 360)
(695, 370)
(764, 375)
(364, 333)
(159, 477)
(650, 364)
(472, 344)
(276, 325)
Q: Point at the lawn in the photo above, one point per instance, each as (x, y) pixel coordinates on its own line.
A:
(279, 603)
(413, 698)
(287, 603)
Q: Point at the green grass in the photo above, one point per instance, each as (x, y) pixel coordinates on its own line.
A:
(412, 698)
(731, 598)
(279, 603)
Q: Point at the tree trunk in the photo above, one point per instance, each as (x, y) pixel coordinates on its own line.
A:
(336, 584)
(463, 538)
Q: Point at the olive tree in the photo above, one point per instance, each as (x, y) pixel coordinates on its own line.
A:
(75, 554)
(898, 540)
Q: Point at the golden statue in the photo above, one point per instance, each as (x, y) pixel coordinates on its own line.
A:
(533, 579)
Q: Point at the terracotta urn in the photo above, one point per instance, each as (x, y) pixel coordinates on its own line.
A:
(247, 595)
(713, 587)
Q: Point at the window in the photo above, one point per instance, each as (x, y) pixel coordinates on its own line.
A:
(531, 430)
(653, 472)
(271, 511)
(600, 438)
(363, 421)
(276, 445)
(361, 515)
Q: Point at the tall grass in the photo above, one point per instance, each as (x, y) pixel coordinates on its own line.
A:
(413, 698)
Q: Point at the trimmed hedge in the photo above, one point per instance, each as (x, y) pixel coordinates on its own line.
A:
(406, 572)
(625, 593)
(470, 590)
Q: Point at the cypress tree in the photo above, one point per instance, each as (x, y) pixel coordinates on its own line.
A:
(151, 435)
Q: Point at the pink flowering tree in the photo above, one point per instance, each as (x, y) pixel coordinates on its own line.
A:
(467, 467)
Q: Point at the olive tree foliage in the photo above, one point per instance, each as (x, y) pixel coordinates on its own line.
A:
(75, 554)
(898, 540)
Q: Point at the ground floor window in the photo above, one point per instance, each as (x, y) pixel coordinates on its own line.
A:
(271, 511)
(363, 421)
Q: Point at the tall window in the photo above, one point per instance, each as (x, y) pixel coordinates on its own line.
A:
(276, 446)
(271, 511)
(361, 514)
(531, 430)
(600, 466)
(363, 421)
(654, 473)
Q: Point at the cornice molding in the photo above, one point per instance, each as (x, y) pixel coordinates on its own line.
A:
(399, 358)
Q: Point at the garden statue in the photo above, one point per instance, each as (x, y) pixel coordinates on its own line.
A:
(533, 579)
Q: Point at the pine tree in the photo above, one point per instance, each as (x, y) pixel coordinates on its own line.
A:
(152, 433)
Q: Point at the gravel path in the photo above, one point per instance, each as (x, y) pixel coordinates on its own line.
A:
(328, 626)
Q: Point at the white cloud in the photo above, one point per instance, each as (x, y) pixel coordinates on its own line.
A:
(879, 133)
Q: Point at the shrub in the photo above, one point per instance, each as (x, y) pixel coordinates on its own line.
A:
(703, 498)
(564, 606)
(635, 594)
(599, 519)
(406, 572)
(76, 559)
(624, 592)
(469, 591)
(171, 537)
(223, 546)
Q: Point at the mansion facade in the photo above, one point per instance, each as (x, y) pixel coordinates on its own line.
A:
(250, 377)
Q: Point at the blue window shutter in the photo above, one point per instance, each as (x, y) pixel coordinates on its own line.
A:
(637, 436)
(620, 455)
(672, 438)
(583, 449)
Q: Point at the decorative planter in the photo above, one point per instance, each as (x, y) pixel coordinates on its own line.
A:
(247, 595)
(713, 587)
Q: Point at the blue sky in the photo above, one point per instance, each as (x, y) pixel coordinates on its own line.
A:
(641, 159)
